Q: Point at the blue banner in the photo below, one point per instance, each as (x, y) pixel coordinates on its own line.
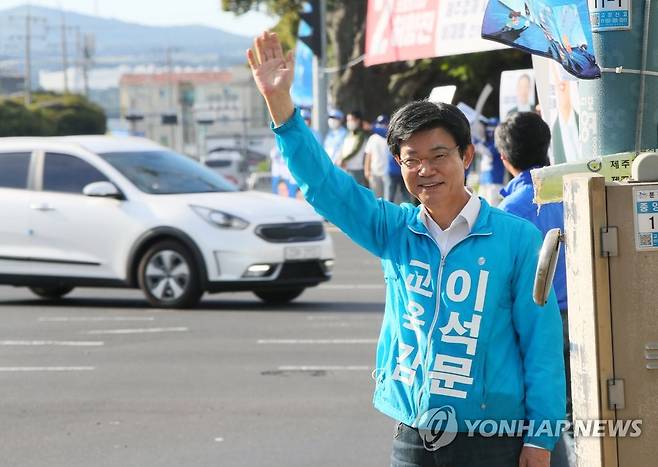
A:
(302, 85)
(557, 29)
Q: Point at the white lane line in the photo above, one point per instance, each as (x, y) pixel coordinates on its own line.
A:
(46, 368)
(54, 343)
(317, 341)
(135, 331)
(96, 318)
(351, 286)
(324, 368)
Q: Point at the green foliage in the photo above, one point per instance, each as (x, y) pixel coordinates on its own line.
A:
(51, 114)
(16, 120)
(382, 88)
(70, 114)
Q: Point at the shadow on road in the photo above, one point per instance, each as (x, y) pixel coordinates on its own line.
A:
(213, 304)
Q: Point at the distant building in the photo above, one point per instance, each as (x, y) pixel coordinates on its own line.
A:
(172, 104)
(11, 85)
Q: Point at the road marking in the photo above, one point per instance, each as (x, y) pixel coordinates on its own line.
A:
(324, 368)
(96, 318)
(351, 286)
(60, 343)
(317, 341)
(219, 440)
(46, 368)
(135, 331)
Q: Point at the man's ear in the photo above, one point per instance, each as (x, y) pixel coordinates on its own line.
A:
(469, 155)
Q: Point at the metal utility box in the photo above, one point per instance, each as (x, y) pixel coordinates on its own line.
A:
(612, 279)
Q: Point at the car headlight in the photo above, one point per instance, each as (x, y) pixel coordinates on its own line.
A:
(220, 219)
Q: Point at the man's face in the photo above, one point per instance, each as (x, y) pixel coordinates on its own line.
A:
(523, 90)
(440, 178)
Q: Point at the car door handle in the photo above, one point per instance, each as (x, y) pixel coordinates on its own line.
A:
(44, 207)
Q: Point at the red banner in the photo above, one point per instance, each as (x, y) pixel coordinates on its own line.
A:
(410, 29)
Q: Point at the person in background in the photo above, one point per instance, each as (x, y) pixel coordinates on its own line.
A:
(307, 115)
(377, 157)
(492, 170)
(354, 148)
(523, 140)
(333, 142)
(281, 175)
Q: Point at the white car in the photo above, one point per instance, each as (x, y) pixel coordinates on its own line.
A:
(98, 211)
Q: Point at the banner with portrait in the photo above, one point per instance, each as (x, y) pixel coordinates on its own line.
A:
(556, 29)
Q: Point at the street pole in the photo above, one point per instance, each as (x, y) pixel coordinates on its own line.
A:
(170, 92)
(28, 57)
(320, 77)
(65, 65)
(617, 111)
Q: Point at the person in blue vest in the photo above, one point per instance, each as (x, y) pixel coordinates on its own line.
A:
(523, 140)
(492, 170)
(462, 343)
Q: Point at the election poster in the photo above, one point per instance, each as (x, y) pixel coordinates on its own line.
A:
(556, 29)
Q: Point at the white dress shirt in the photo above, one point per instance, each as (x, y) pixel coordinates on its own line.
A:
(459, 228)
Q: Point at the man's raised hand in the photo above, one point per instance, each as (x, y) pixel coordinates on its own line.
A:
(273, 73)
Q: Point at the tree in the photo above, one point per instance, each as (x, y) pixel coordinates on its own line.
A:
(16, 120)
(70, 114)
(51, 114)
(382, 88)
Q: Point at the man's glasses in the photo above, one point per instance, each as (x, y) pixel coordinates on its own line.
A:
(413, 164)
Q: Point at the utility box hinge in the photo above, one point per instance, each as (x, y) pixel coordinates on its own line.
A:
(616, 394)
(609, 241)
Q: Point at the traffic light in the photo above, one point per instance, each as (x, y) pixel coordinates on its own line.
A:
(310, 32)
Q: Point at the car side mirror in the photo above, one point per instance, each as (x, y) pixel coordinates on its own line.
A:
(102, 190)
(546, 266)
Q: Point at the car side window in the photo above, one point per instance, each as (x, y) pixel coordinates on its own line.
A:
(68, 174)
(14, 168)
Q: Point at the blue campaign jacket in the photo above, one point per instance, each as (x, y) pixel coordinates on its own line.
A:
(518, 198)
(459, 331)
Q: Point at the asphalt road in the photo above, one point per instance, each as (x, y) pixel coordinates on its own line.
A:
(100, 379)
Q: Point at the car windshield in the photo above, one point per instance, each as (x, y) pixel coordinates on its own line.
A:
(165, 173)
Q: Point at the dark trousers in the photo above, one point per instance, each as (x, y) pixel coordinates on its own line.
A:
(464, 451)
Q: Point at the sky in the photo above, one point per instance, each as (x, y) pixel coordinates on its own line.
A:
(161, 12)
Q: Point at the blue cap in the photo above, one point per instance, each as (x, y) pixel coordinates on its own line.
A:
(382, 120)
(337, 114)
(305, 113)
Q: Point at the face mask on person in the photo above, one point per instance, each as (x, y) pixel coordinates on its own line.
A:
(333, 123)
(353, 126)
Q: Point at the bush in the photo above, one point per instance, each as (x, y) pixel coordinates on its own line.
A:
(52, 114)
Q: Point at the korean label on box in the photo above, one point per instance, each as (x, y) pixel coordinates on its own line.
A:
(646, 218)
(610, 15)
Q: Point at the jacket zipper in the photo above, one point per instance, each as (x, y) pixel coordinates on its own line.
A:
(438, 302)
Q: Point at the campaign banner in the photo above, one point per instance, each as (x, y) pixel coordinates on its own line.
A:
(411, 29)
(517, 92)
(302, 84)
(556, 29)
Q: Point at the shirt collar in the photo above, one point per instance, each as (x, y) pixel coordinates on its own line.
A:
(468, 214)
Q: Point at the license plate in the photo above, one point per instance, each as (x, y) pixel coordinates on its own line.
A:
(301, 252)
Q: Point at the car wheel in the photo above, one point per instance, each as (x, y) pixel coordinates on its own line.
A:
(169, 277)
(51, 293)
(279, 296)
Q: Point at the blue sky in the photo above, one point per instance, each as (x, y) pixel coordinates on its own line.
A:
(161, 12)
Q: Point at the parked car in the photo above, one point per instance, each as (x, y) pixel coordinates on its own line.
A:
(98, 211)
(230, 164)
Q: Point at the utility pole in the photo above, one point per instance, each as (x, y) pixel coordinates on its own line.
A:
(65, 64)
(320, 77)
(170, 92)
(88, 47)
(617, 111)
(28, 20)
